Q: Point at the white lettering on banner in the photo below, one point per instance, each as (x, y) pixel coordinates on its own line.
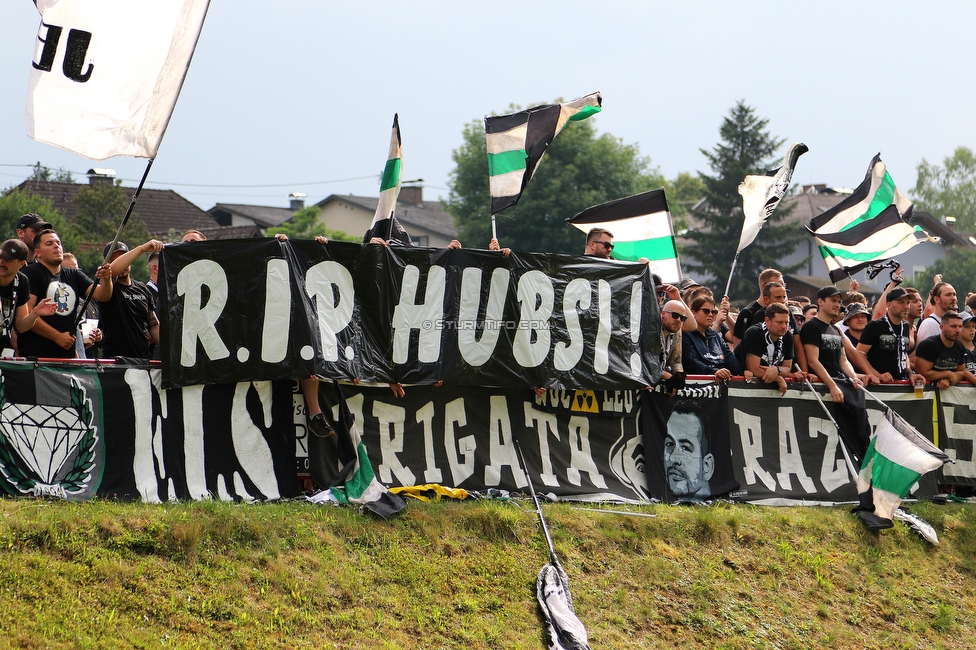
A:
(557, 397)
(576, 298)
(618, 401)
(425, 418)
(199, 319)
(277, 312)
(635, 321)
(460, 453)
(410, 315)
(473, 350)
(501, 451)
(330, 285)
(959, 432)
(252, 450)
(790, 459)
(536, 297)
(545, 424)
(834, 472)
(391, 419)
(143, 465)
(750, 434)
(601, 355)
(193, 449)
(581, 458)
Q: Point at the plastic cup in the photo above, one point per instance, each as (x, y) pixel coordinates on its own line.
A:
(919, 387)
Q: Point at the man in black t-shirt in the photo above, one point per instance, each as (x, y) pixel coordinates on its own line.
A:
(940, 358)
(884, 343)
(128, 318)
(767, 349)
(15, 294)
(54, 336)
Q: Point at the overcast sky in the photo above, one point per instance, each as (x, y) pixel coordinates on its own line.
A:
(301, 94)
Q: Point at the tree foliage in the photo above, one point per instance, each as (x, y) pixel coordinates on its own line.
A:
(746, 147)
(958, 269)
(42, 173)
(949, 190)
(16, 203)
(306, 225)
(580, 169)
(101, 208)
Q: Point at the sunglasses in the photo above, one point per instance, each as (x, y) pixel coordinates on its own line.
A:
(607, 245)
(661, 293)
(678, 315)
(713, 312)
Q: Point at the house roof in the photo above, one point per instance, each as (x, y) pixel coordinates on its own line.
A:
(232, 232)
(264, 216)
(161, 210)
(429, 215)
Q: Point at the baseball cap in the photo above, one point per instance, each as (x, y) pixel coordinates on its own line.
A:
(966, 316)
(854, 309)
(32, 220)
(898, 293)
(827, 292)
(14, 249)
(119, 247)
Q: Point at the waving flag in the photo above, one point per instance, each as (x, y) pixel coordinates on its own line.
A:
(517, 142)
(761, 194)
(897, 457)
(641, 227)
(385, 224)
(106, 74)
(869, 226)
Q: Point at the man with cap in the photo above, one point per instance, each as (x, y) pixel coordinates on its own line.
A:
(54, 336)
(855, 319)
(941, 359)
(883, 345)
(966, 336)
(128, 316)
(15, 294)
(27, 228)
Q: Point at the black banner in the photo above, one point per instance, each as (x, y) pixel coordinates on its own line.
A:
(264, 309)
(957, 434)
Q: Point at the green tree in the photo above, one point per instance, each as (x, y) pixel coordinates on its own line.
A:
(306, 225)
(15, 203)
(746, 148)
(683, 193)
(958, 269)
(42, 173)
(101, 208)
(949, 190)
(580, 169)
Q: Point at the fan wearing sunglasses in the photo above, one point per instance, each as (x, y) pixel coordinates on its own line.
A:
(673, 314)
(599, 243)
(704, 351)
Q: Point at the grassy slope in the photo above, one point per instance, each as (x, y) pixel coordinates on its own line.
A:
(462, 575)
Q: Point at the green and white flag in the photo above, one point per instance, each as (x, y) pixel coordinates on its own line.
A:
(385, 224)
(869, 226)
(517, 142)
(897, 457)
(641, 227)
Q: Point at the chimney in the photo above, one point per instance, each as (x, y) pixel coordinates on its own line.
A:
(412, 194)
(98, 176)
(296, 201)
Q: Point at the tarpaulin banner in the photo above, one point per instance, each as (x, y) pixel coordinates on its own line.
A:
(74, 432)
(957, 434)
(249, 310)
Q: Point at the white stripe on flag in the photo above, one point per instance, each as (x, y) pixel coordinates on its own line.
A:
(509, 184)
(511, 140)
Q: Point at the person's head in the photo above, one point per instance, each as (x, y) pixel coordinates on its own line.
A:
(914, 303)
(659, 288)
(28, 226)
(704, 311)
(153, 262)
(13, 257)
(828, 304)
(943, 297)
(971, 303)
(809, 312)
(803, 301)
(672, 316)
(856, 317)
(797, 313)
(599, 243)
(899, 301)
(777, 320)
(968, 331)
(774, 292)
(695, 292)
(194, 235)
(770, 275)
(69, 261)
(47, 248)
(852, 297)
(951, 325)
(119, 251)
(688, 461)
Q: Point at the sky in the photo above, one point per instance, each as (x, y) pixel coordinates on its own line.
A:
(299, 95)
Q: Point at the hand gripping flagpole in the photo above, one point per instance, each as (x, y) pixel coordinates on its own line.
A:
(111, 249)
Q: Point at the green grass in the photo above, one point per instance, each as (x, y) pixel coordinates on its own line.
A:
(462, 575)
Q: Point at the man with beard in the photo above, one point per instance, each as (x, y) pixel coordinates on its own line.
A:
(940, 358)
(15, 294)
(943, 297)
(599, 243)
(688, 462)
(883, 346)
(768, 349)
(128, 318)
(27, 228)
(673, 314)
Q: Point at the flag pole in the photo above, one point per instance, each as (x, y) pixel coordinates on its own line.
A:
(111, 249)
(494, 232)
(731, 271)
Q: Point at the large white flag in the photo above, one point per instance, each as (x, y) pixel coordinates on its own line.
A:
(106, 73)
(761, 195)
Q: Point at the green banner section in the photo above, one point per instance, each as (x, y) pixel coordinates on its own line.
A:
(506, 161)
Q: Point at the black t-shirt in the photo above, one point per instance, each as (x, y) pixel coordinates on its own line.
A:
(125, 321)
(889, 344)
(12, 296)
(67, 289)
(942, 358)
(969, 358)
(754, 314)
(827, 338)
(757, 342)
